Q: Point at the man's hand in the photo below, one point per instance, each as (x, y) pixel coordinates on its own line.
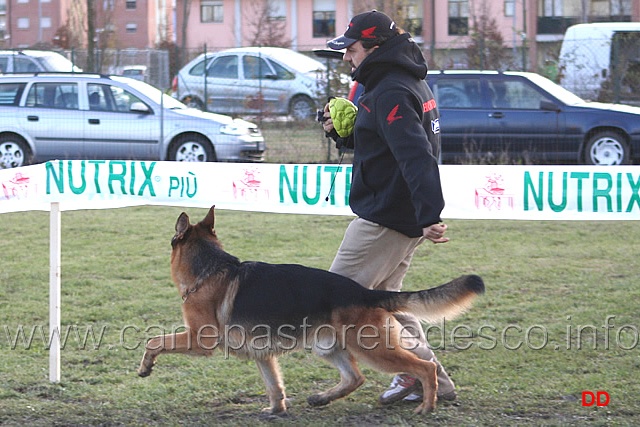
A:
(327, 124)
(435, 233)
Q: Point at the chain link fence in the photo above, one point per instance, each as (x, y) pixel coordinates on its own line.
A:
(149, 65)
(292, 140)
(602, 63)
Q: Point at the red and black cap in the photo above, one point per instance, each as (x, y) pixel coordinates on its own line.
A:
(371, 25)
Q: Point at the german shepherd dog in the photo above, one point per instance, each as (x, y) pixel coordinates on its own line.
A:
(259, 311)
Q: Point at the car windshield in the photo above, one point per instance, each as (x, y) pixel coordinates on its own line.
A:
(56, 63)
(152, 93)
(556, 90)
(299, 62)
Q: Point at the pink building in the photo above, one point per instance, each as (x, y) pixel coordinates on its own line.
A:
(118, 23)
(531, 29)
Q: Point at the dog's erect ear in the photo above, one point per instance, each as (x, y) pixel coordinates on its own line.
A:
(209, 220)
(182, 225)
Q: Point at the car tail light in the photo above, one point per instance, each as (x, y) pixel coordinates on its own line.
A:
(174, 84)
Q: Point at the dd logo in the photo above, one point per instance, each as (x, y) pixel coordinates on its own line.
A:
(599, 398)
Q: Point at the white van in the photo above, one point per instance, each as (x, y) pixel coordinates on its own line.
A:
(587, 54)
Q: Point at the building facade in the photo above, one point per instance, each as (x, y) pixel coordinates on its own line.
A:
(529, 29)
(117, 24)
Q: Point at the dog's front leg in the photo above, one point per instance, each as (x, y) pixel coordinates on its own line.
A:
(183, 342)
(270, 371)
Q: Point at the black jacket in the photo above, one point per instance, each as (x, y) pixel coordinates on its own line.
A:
(396, 141)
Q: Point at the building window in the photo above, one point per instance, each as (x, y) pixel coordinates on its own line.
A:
(551, 8)
(277, 10)
(622, 8)
(211, 11)
(458, 17)
(23, 23)
(131, 4)
(324, 24)
(45, 22)
(324, 18)
(509, 7)
(131, 28)
(412, 12)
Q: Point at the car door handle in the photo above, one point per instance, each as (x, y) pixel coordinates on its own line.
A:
(496, 115)
(94, 121)
(33, 118)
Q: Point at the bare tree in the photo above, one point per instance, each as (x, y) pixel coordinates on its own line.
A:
(266, 27)
(186, 9)
(397, 10)
(91, 34)
(486, 50)
(71, 34)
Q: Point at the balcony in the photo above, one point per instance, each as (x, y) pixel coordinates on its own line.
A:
(559, 24)
(555, 24)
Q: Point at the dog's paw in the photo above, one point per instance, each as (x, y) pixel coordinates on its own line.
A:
(318, 400)
(275, 412)
(424, 409)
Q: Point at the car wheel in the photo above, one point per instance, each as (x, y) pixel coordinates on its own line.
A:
(606, 148)
(193, 102)
(14, 152)
(191, 148)
(302, 107)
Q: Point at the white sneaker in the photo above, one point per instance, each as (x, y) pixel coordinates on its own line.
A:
(417, 397)
(414, 397)
(401, 386)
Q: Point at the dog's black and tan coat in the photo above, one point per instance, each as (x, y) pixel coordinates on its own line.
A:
(259, 311)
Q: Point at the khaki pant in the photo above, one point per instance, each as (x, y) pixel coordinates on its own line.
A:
(378, 257)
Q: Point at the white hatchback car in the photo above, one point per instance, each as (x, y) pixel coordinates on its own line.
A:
(89, 116)
(28, 61)
(253, 80)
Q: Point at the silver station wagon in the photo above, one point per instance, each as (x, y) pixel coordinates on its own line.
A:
(46, 116)
(253, 80)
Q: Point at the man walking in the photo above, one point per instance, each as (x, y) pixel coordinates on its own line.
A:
(395, 190)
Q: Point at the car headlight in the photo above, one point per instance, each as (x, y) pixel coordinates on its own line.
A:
(234, 129)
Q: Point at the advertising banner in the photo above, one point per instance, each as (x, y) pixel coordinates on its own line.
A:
(471, 191)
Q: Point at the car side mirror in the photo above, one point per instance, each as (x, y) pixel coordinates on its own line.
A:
(271, 76)
(139, 107)
(549, 106)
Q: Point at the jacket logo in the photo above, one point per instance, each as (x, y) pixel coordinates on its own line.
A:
(368, 33)
(429, 105)
(435, 126)
(392, 116)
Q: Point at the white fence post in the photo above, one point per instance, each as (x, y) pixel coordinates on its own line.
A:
(54, 292)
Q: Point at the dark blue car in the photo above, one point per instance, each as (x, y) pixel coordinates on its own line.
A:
(520, 117)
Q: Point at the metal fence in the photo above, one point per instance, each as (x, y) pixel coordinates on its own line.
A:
(154, 62)
(292, 141)
(602, 63)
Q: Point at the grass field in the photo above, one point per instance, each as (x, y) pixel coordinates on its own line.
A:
(298, 142)
(521, 356)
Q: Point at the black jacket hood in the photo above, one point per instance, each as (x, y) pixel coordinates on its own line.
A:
(399, 53)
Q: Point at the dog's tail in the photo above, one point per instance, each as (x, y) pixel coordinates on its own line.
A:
(445, 301)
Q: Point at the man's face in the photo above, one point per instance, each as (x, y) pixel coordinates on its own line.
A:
(356, 53)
